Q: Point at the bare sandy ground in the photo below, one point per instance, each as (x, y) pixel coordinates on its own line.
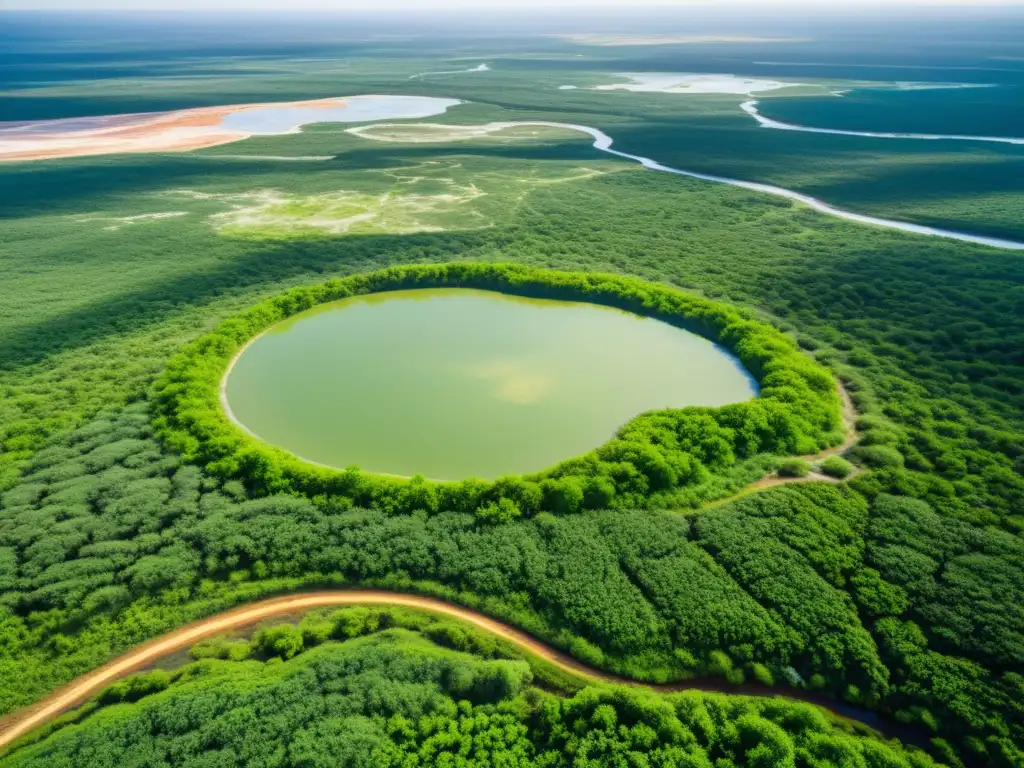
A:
(157, 132)
(690, 83)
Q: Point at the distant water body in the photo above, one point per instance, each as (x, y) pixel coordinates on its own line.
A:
(278, 120)
(750, 107)
(274, 121)
(603, 142)
(367, 109)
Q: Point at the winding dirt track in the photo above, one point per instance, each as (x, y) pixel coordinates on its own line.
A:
(774, 480)
(78, 692)
(850, 439)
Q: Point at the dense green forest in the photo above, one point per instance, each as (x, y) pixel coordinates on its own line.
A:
(884, 602)
(900, 589)
(404, 689)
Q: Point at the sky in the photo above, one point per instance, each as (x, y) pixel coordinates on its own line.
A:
(477, 5)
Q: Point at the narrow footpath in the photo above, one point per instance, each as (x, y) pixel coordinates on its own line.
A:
(773, 480)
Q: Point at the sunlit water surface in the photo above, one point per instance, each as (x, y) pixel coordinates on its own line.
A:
(453, 383)
(358, 109)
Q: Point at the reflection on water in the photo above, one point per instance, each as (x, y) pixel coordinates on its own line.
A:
(452, 383)
(514, 381)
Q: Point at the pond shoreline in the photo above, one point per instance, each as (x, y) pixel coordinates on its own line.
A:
(556, 379)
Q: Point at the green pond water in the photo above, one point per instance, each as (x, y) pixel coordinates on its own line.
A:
(452, 383)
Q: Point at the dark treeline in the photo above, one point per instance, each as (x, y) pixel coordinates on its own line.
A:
(386, 695)
(663, 459)
(111, 539)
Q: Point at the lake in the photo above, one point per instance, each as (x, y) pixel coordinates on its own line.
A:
(272, 120)
(452, 383)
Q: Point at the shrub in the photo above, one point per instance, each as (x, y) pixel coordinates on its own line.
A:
(136, 687)
(735, 676)
(586, 651)
(315, 632)
(284, 641)
(880, 436)
(762, 674)
(353, 621)
(794, 468)
(879, 456)
(502, 511)
(836, 466)
(719, 664)
(686, 659)
(876, 596)
(450, 636)
(221, 648)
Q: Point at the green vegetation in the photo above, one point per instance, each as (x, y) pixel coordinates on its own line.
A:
(794, 468)
(836, 466)
(952, 184)
(110, 539)
(403, 689)
(655, 460)
(899, 589)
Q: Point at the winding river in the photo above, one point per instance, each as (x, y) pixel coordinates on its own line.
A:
(750, 107)
(478, 68)
(603, 142)
(220, 125)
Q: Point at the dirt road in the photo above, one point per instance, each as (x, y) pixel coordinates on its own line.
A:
(83, 688)
(79, 691)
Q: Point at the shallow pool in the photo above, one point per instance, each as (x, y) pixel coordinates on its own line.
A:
(452, 383)
(357, 109)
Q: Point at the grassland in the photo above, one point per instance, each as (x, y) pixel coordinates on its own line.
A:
(899, 590)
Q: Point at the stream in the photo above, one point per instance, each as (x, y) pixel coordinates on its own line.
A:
(750, 107)
(603, 142)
